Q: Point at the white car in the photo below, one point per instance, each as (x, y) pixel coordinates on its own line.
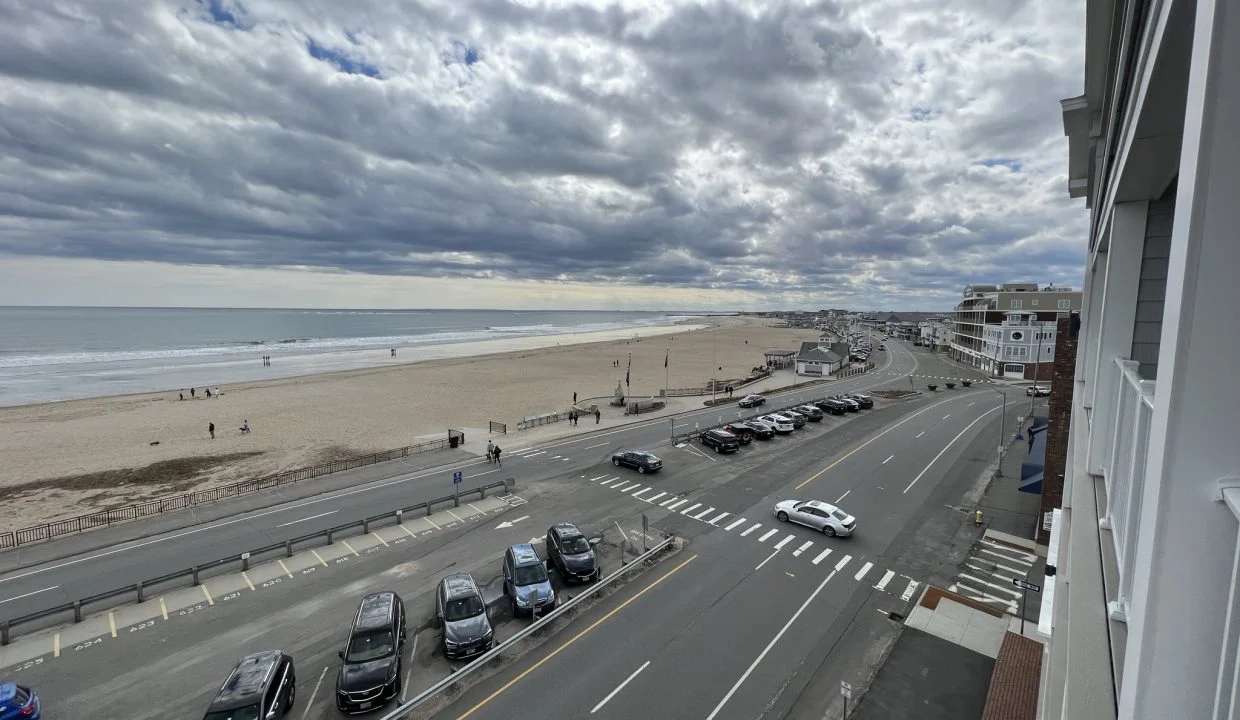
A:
(818, 515)
(782, 425)
(1037, 391)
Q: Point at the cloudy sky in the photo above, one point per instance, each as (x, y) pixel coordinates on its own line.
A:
(740, 154)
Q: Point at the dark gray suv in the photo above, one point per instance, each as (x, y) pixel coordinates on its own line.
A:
(462, 613)
(721, 440)
(370, 675)
(262, 685)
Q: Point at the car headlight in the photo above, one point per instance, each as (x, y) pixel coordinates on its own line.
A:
(450, 644)
(523, 602)
(489, 636)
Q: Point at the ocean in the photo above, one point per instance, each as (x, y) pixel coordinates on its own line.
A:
(63, 353)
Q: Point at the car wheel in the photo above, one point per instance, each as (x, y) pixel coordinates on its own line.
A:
(718, 449)
(513, 604)
(641, 469)
(782, 516)
(830, 531)
(292, 695)
(615, 461)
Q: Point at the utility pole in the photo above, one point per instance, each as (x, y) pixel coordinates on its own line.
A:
(1037, 366)
(1002, 430)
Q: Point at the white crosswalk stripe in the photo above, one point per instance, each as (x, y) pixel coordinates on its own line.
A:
(780, 545)
(908, 591)
(639, 493)
(843, 561)
(882, 584)
(631, 489)
(803, 548)
(716, 520)
(767, 536)
(703, 514)
(755, 527)
(656, 497)
(675, 505)
(738, 521)
(691, 508)
(822, 556)
(600, 477)
(864, 569)
(605, 483)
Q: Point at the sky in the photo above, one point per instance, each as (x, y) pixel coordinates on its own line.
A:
(726, 155)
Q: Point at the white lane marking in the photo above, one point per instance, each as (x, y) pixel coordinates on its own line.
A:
(984, 597)
(768, 534)
(1021, 557)
(767, 560)
(947, 416)
(687, 510)
(619, 687)
(639, 493)
(432, 522)
(622, 533)
(656, 497)
(965, 576)
(404, 689)
(605, 483)
(630, 488)
(554, 457)
(310, 703)
(1016, 572)
(600, 477)
(948, 446)
(703, 514)
(738, 521)
(312, 517)
(803, 548)
(888, 459)
(822, 556)
(843, 561)
(458, 517)
(844, 495)
(770, 645)
(882, 584)
(591, 447)
(908, 591)
(923, 432)
(488, 472)
(971, 404)
(476, 508)
(534, 454)
(716, 520)
(755, 527)
(626, 484)
(674, 505)
(36, 592)
(864, 569)
(780, 545)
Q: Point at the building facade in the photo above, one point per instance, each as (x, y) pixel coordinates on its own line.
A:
(1008, 330)
(1142, 614)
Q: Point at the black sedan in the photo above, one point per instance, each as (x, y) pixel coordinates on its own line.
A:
(571, 554)
(751, 401)
(641, 460)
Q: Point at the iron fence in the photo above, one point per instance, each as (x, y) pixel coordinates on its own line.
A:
(106, 518)
(192, 576)
(497, 427)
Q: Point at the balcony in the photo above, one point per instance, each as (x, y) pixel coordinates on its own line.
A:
(1124, 474)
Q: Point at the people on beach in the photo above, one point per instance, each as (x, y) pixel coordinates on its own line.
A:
(490, 451)
(574, 398)
(182, 393)
(393, 352)
(495, 453)
(191, 392)
(245, 427)
(208, 391)
(211, 429)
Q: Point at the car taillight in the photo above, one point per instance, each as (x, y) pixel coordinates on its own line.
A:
(28, 710)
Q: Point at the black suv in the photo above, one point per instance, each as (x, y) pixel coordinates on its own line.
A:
(832, 406)
(865, 401)
(262, 685)
(571, 554)
(370, 676)
(462, 613)
(643, 461)
(721, 440)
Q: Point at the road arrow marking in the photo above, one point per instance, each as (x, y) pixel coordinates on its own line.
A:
(510, 523)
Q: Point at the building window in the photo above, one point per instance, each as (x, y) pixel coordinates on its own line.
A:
(1016, 304)
(1033, 302)
(1065, 304)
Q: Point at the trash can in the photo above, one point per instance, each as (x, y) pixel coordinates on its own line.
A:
(453, 441)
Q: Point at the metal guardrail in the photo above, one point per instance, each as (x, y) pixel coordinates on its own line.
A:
(402, 711)
(137, 591)
(497, 427)
(106, 518)
(537, 420)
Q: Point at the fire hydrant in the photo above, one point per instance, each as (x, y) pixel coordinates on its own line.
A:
(977, 517)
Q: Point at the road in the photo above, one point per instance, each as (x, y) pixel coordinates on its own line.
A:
(170, 666)
(31, 589)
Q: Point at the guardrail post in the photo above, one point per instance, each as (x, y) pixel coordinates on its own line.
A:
(288, 548)
(4, 632)
(245, 562)
(400, 517)
(330, 539)
(428, 509)
(366, 526)
(77, 611)
(482, 493)
(141, 593)
(194, 570)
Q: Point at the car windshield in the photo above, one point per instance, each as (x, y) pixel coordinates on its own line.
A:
(463, 608)
(371, 646)
(531, 574)
(249, 712)
(576, 546)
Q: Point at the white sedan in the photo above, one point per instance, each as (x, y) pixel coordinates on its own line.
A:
(817, 515)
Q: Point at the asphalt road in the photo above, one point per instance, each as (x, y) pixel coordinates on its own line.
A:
(54, 583)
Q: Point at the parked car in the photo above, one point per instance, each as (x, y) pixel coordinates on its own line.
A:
(743, 433)
(1037, 391)
(849, 404)
(762, 430)
(750, 401)
(782, 425)
(462, 613)
(370, 675)
(640, 460)
(571, 554)
(721, 440)
(19, 701)
(865, 401)
(814, 414)
(526, 582)
(882, 347)
(818, 515)
(832, 406)
(798, 420)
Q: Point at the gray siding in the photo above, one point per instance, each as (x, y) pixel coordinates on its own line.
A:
(1152, 290)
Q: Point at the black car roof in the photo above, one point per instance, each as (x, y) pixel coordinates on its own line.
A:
(376, 610)
(247, 680)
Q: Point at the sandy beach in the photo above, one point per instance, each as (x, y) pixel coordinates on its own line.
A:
(69, 458)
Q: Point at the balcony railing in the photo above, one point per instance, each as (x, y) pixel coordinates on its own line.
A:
(1124, 472)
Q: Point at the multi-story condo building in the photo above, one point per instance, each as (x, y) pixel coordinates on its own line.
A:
(1008, 330)
(1143, 613)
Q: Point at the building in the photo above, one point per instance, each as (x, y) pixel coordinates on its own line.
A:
(1143, 611)
(1008, 330)
(817, 358)
(935, 333)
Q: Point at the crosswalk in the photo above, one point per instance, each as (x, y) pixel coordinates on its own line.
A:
(987, 573)
(770, 534)
(932, 377)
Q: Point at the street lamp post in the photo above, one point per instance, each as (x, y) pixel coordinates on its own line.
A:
(1037, 366)
(1002, 430)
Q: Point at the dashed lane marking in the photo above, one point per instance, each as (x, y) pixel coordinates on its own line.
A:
(755, 527)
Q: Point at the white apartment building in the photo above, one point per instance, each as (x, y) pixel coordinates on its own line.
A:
(1143, 613)
(1008, 330)
(1017, 342)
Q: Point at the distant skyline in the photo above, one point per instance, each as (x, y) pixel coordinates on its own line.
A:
(739, 154)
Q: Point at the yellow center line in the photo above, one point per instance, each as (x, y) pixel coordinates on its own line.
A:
(320, 557)
(859, 448)
(285, 567)
(56, 645)
(385, 542)
(207, 593)
(163, 608)
(245, 575)
(574, 639)
(112, 623)
(408, 532)
(346, 544)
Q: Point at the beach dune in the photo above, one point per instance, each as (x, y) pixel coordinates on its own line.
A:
(70, 458)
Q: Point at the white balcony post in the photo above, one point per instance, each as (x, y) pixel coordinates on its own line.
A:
(1119, 312)
(1091, 318)
(1185, 551)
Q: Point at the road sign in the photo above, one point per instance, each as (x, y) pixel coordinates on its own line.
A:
(1026, 585)
(457, 477)
(845, 689)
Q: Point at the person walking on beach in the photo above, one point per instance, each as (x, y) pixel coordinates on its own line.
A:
(245, 427)
(597, 416)
(182, 393)
(490, 451)
(191, 392)
(208, 392)
(211, 429)
(496, 452)
(574, 398)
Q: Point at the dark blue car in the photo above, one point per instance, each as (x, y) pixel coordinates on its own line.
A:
(18, 702)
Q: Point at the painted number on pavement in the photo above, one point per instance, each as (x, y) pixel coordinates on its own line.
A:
(230, 596)
(308, 570)
(27, 665)
(272, 582)
(193, 609)
(88, 643)
(142, 626)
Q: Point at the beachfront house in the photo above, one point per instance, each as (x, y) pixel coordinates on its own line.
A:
(817, 358)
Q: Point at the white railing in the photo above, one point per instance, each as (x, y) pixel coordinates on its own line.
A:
(1124, 472)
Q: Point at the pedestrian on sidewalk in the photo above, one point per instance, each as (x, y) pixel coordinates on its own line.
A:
(490, 451)
(597, 416)
(496, 453)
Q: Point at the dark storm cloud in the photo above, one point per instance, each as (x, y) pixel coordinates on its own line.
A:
(787, 148)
